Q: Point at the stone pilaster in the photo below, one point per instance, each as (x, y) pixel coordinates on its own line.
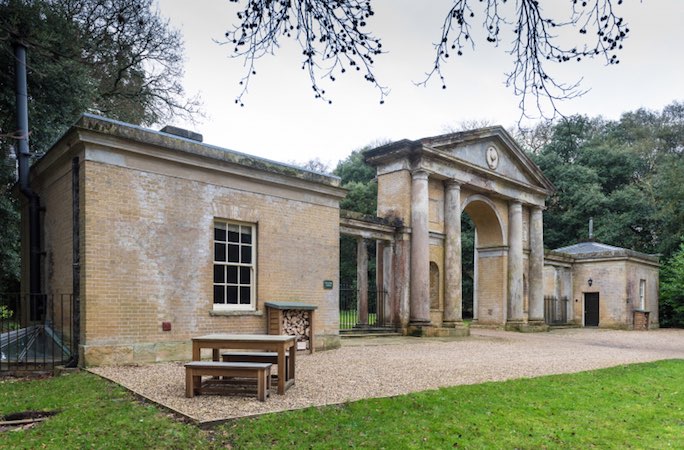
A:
(453, 305)
(362, 280)
(536, 275)
(420, 250)
(515, 263)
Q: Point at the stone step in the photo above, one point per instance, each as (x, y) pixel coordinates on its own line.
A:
(369, 332)
(368, 335)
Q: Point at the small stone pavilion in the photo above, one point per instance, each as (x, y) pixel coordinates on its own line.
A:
(426, 184)
(597, 285)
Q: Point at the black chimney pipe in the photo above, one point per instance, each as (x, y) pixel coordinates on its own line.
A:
(23, 157)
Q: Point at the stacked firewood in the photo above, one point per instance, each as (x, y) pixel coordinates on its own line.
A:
(296, 322)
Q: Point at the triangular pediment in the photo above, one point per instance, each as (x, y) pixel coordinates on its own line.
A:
(493, 151)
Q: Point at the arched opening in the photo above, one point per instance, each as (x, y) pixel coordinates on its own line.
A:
(484, 260)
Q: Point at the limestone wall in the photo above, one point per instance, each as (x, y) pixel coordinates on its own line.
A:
(609, 280)
(149, 259)
(636, 272)
(394, 195)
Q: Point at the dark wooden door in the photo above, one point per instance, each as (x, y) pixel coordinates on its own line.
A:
(591, 309)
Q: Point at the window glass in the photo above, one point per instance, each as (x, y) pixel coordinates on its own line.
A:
(219, 252)
(219, 294)
(232, 293)
(220, 232)
(245, 295)
(233, 253)
(245, 275)
(219, 274)
(246, 235)
(233, 233)
(246, 254)
(232, 274)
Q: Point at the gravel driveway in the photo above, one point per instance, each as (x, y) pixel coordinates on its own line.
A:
(382, 367)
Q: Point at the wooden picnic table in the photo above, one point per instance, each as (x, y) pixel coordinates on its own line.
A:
(281, 344)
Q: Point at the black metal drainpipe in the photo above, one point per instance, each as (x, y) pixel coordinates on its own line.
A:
(23, 157)
(76, 258)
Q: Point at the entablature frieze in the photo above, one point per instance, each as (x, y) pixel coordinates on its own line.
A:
(471, 177)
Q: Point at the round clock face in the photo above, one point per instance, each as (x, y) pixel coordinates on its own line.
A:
(492, 156)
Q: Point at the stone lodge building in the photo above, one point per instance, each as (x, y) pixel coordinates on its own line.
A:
(161, 238)
(172, 231)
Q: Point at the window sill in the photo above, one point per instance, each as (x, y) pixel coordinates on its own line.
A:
(219, 312)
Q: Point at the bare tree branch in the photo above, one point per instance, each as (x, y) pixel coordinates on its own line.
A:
(330, 34)
(331, 37)
(534, 46)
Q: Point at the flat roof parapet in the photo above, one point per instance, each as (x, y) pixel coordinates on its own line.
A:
(188, 145)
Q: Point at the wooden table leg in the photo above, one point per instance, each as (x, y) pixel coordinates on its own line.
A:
(291, 368)
(215, 354)
(196, 351)
(281, 369)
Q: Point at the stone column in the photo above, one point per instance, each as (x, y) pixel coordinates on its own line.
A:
(362, 280)
(420, 250)
(536, 276)
(453, 305)
(515, 262)
(379, 283)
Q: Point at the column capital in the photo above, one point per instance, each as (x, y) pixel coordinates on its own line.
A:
(452, 183)
(419, 174)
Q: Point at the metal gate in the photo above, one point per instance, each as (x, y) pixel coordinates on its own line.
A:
(35, 332)
(555, 310)
(349, 307)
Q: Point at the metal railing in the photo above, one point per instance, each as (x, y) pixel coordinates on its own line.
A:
(555, 310)
(35, 332)
(349, 307)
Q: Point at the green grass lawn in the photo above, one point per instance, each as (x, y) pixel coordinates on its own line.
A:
(636, 406)
(348, 319)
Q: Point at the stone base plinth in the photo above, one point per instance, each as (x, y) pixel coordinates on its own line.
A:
(430, 331)
(536, 326)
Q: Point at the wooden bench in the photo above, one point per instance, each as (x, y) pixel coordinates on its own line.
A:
(263, 357)
(254, 370)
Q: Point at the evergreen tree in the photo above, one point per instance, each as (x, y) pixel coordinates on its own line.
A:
(117, 57)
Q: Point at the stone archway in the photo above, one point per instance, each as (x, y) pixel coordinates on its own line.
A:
(427, 184)
(489, 258)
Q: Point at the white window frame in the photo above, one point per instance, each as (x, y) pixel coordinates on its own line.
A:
(222, 261)
(642, 294)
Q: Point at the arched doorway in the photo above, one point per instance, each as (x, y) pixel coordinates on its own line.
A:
(489, 258)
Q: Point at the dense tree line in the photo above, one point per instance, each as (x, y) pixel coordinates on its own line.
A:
(627, 174)
(117, 58)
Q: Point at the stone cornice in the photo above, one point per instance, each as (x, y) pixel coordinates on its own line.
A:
(98, 133)
(415, 149)
(617, 255)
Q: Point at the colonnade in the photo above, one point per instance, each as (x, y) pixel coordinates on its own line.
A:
(420, 257)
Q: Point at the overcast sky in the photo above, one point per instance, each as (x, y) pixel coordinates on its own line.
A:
(281, 119)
